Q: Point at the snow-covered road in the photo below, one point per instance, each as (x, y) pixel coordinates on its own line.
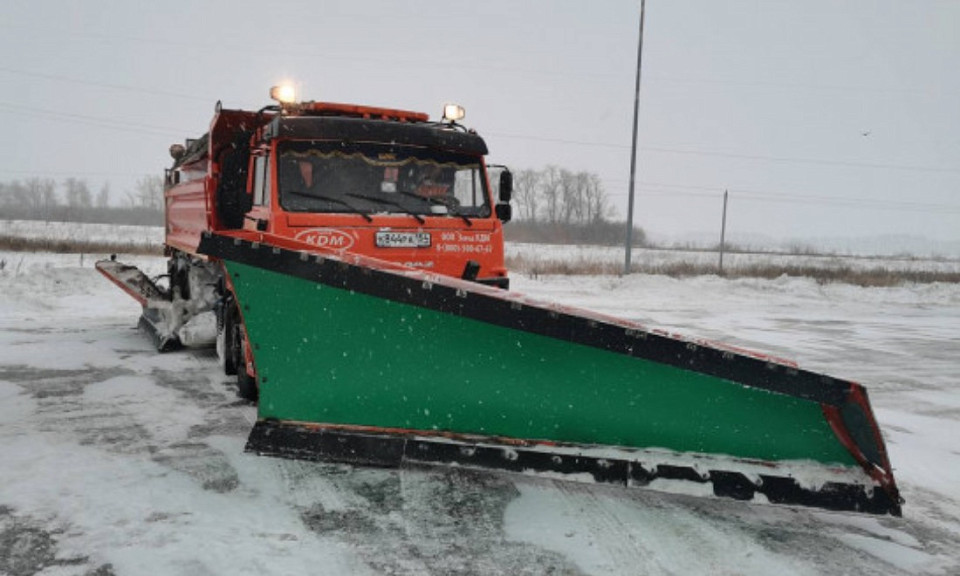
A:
(117, 460)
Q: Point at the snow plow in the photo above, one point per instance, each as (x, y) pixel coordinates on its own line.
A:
(399, 346)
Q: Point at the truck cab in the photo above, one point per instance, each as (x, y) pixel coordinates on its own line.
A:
(384, 183)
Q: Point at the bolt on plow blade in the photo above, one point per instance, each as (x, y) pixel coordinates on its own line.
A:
(372, 363)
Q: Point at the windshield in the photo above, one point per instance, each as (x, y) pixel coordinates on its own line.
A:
(379, 178)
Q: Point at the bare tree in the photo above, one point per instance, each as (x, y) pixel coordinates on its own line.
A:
(598, 208)
(568, 196)
(48, 196)
(526, 192)
(103, 197)
(33, 199)
(77, 193)
(148, 193)
(551, 191)
(559, 196)
(43, 196)
(18, 196)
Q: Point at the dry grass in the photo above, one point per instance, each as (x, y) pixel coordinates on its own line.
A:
(65, 246)
(869, 277)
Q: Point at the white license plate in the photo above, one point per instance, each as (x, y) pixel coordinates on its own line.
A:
(403, 239)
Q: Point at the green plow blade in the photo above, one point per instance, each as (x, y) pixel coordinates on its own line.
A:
(361, 361)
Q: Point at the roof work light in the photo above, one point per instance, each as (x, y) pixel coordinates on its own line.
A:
(453, 112)
(284, 93)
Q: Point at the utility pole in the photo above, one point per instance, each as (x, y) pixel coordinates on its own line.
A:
(723, 230)
(633, 149)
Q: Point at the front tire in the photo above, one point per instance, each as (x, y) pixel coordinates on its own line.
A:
(226, 339)
(247, 386)
(234, 341)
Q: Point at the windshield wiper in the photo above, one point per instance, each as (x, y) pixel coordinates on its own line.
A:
(439, 202)
(354, 209)
(387, 201)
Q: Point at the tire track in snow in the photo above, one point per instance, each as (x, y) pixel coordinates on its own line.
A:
(613, 530)
(602, 521)
(115, 410)
(416, 521)
(833, 542)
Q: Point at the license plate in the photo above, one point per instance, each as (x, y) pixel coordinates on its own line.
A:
(403, 239)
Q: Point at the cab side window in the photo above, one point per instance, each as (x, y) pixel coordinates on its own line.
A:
(261, 181)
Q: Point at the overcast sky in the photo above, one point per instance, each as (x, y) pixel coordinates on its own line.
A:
(822, 118)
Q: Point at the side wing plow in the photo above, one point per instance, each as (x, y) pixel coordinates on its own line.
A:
(155, 301)
(171, 321)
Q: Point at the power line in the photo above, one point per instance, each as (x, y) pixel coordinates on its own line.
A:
(854, 202)
(559, 140)
(379, 60)
(99, 122)
(802, 160)
(315, 50)
(867, 203)
(122, 87)
(809, 198)
(791, 86)
(41, 173)
(721, 154)
(650, 188)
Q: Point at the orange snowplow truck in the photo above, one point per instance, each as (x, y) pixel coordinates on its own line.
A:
(318, 177)
(379, 182)
(335, 253)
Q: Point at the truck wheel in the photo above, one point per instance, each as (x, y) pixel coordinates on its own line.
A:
(246, 384)
(228, 335)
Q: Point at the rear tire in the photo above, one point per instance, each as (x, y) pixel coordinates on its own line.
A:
(178, 267)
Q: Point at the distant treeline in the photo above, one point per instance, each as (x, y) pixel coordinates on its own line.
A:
(552, 205)
(71, 200)
(556, 206)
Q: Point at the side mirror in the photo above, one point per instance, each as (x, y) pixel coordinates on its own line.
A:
(504, 212)
(506, 187)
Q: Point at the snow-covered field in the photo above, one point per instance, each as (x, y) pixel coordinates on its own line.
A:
(113, 233)
(532, 256)
(535, 256)
(117, 460)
